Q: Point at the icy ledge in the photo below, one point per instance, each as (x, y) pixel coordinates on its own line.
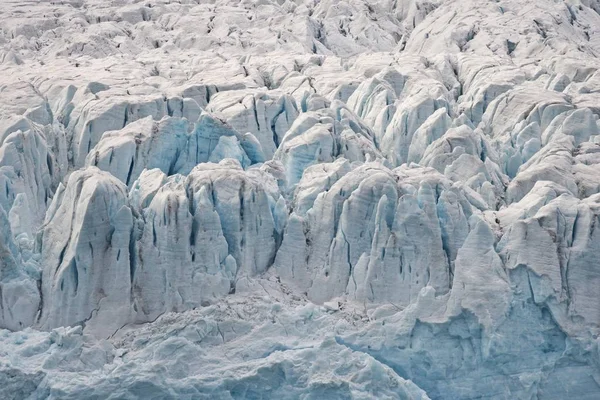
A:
(251, 345)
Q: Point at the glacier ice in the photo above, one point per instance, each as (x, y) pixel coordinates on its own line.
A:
(299, 199)
(85, 252)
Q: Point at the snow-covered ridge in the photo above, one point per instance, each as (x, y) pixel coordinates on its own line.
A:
(406, 191)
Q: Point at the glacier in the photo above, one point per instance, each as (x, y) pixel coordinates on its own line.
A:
(300, 199)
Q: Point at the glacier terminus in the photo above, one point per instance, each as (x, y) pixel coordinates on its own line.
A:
(300, 199)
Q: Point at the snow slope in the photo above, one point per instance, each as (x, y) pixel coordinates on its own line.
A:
(299, 199)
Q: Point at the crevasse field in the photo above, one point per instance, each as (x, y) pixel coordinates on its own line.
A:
(300, 199)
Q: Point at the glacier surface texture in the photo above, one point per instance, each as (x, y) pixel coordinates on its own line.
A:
(300, 199)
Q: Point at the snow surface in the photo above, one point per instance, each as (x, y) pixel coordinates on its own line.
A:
(299, 199)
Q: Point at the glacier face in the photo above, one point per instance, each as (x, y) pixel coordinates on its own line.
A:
(300, 199)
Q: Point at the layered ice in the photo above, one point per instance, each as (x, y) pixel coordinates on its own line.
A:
(86, 254)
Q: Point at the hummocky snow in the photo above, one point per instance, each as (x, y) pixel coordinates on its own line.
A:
(299, 199)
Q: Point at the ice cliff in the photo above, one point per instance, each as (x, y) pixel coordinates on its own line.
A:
(300, 199)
